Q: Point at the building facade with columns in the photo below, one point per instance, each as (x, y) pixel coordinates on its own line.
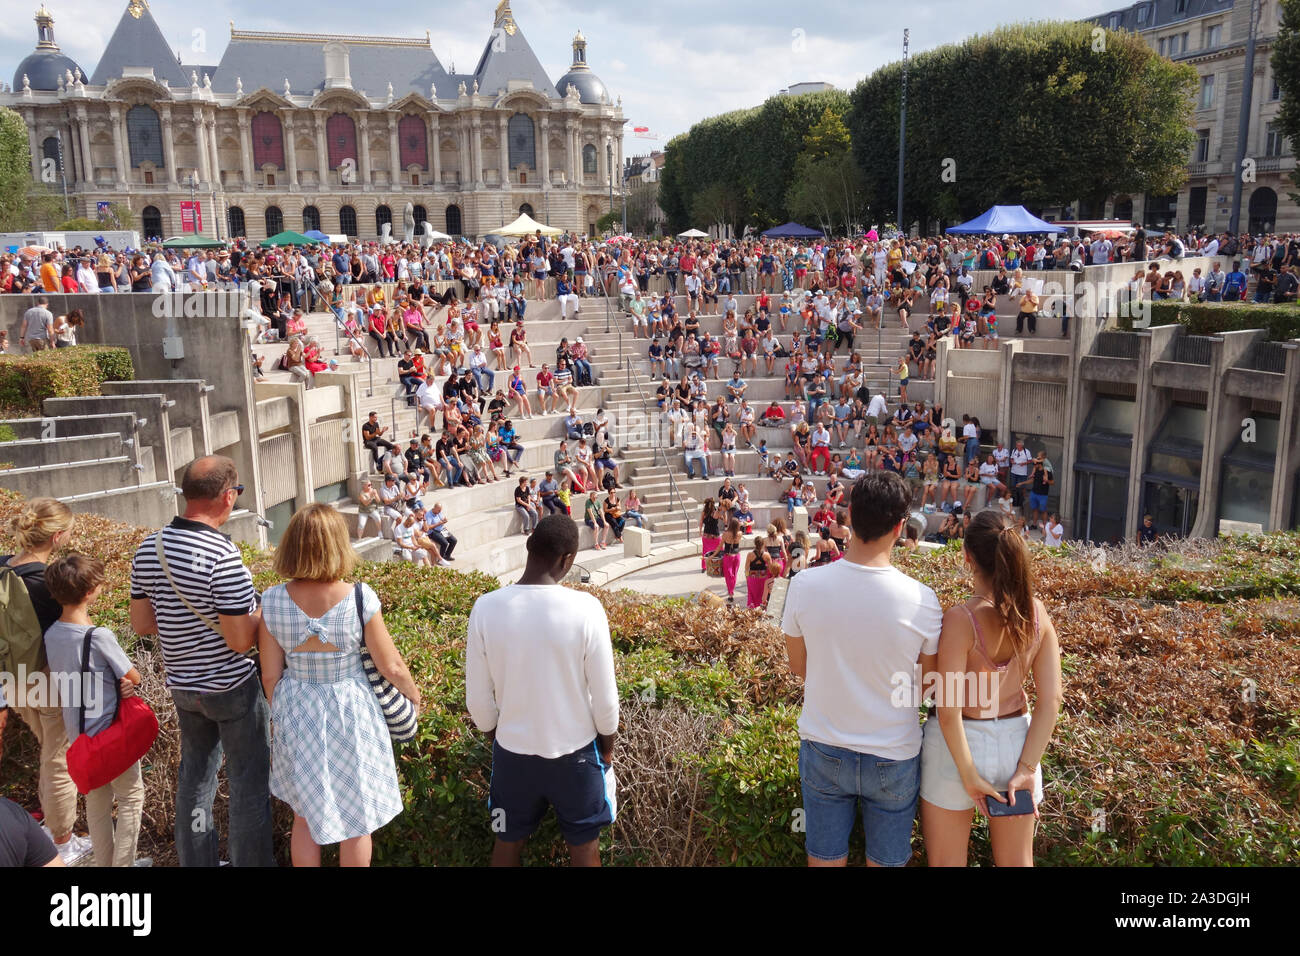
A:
(1212, 36)
(310, 131)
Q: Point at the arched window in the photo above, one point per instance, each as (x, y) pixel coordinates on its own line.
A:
(151, 222)
(274, 221)
(268, 140)
(453, 220)
(341, 133)
(235, 220)
(413, 143)
(1262, 210)
(50, 150)
(421, 217)
(522, 141)
(348, 221)
(1124, 209)
(382, 215)
(144, 135)
(526, 210)
(588, 159)
(310, 219)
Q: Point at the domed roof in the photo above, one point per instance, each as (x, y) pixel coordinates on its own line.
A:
(590, 88)
(43, 69)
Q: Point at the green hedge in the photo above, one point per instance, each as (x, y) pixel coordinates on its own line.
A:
(1210, 318)
(27, 380)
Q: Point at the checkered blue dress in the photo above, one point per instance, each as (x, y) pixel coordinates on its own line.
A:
(331, 756)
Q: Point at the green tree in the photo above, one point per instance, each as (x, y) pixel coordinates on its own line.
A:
(15, 171)
(718, 203)
(1040, 114)
(1286, 68)
(828, 191)
(828, 137)
(78, 225)
(608, 222)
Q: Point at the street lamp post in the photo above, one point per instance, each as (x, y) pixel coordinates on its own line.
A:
(190, 181)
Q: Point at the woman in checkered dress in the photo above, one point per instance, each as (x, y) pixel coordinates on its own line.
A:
(331, 754)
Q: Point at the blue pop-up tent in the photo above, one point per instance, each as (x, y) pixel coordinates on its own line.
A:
(1004, 219)
(792, 230)
(317, 235)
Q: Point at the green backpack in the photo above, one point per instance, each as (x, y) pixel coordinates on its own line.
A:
(20, 630)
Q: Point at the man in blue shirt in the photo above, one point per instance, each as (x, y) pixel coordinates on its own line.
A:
(1234, 287)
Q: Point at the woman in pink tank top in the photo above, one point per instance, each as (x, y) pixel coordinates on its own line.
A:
(982, 745)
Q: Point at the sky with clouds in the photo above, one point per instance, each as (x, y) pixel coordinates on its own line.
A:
(674, 62)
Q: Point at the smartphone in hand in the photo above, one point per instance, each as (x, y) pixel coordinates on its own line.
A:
(1022, 804)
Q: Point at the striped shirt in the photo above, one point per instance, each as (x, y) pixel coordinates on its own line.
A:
(210, 572)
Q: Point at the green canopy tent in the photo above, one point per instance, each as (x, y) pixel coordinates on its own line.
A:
(287, 238)
(192, 242)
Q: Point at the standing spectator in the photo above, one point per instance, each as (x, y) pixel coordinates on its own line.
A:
(41, 527)
(333, 758)
(75, 581)
(539, 681)
(988, 747)
(38, 326)
(859, 750)
(199, 600)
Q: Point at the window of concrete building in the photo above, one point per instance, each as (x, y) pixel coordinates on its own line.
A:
(1202, 145)
(1180, 6)
(235, 222)
(1213, 35)
(523, 141)
(1207, 93)
(274, 221)
(50, 150)
(144, 135)
(1143, 13)
(151, 222)
(413, 143)
(341, 136)
(454, 227)
(348, 221)
(588, 159)
(1101, 470)
(1275, 93)
(1274, 140)
(526, 210)
(382, 215)
(268, 140)
(1171, 483)
(421, 217)
(310, 219)
(1246, 482)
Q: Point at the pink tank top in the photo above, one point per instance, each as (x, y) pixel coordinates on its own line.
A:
(999, 688)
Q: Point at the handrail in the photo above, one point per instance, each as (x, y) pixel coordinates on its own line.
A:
(370, 361)
(658, 445)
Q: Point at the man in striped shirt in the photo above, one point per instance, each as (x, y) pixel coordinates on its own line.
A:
(205, 612)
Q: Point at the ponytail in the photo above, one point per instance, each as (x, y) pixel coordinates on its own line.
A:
(996, 547)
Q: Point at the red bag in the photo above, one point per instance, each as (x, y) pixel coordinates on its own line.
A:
(101, 759)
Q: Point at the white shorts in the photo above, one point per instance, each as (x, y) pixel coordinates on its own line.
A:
(995, 747)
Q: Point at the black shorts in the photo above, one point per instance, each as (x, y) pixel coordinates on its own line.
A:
(523, 786)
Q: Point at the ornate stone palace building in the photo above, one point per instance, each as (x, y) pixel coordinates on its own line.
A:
(311, 131)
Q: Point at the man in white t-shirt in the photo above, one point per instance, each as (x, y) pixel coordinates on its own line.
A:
(1021, 457)
(878, 408)
(856, 631)
(539, 681)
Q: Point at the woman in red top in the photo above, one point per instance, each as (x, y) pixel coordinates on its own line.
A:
(497, 346)
(69, 280)
(311, 357)
(389, 264)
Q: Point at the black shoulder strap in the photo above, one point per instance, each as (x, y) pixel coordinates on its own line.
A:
(85, 673)
(361, 616)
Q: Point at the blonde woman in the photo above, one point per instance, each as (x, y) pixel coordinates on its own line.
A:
(331, 756)
(989, 749)
(42, 527)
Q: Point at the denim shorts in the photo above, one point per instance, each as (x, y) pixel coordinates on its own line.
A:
(1037, 502)
(995, 748)
(836, 781)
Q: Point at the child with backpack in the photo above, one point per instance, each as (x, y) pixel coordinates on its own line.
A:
(88, 658)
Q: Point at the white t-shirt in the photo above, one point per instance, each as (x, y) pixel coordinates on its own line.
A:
(878, 406)
(1001, 456)
(1020, 459)
(864, 629)
(1053, 534)
(539, 669)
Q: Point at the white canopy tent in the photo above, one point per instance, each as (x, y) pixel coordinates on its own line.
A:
(692, 234)
(526, 225)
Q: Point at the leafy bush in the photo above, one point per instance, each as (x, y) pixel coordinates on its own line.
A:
(1281, 322)
(79, 225)
(27, 380)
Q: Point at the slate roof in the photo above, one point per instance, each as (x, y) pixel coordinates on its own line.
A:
(137, 41)
(515, 61)
(1159, 13)
(266, 59)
